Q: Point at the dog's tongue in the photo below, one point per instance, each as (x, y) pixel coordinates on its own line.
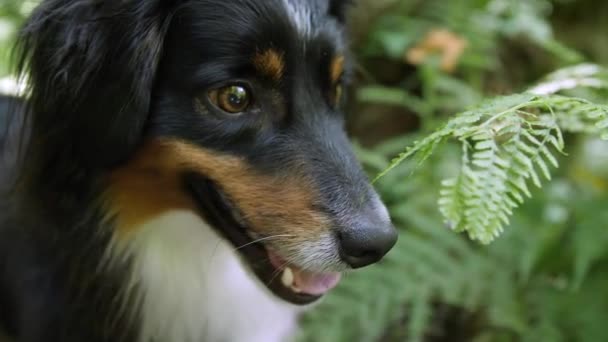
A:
(311, 283)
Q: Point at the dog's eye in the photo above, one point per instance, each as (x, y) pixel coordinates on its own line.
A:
(232, 99)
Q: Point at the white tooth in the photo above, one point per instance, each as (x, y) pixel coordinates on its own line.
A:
(287, 277)
(295, 289)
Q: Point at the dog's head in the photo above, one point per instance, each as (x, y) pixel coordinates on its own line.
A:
(228, 108)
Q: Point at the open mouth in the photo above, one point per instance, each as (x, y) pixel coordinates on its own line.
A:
(287, 281)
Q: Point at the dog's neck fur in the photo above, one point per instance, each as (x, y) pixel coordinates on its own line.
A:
(192, 287)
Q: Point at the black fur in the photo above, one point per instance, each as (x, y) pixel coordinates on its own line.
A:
(51, 287)
(106, 76)
(95, 57)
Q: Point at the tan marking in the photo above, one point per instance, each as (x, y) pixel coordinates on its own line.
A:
(336, 69)
(144, 189)
(150, 186)
(271, 63)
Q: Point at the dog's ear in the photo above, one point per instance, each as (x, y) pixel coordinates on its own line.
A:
(91, 66)
(339, 8)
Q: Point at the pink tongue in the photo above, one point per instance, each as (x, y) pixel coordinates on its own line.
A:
(307, 282)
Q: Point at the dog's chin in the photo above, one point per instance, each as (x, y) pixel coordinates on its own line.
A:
(288, 282)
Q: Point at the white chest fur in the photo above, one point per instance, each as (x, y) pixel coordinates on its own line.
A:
(195, 289)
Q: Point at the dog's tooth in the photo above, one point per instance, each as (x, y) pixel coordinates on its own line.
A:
(295, 289)
(287, 277)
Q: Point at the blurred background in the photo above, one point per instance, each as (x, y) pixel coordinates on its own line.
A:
(419, 62)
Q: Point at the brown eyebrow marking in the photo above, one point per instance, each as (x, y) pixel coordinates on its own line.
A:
(271, 63)
(336, 68)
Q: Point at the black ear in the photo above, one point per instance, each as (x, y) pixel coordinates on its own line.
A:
(339, 8)
(91, 66)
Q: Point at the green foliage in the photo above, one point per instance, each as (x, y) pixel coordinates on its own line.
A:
(508, 142)
(499, 155)
(12, 13)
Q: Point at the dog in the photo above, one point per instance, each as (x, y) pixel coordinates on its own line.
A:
(179, 171)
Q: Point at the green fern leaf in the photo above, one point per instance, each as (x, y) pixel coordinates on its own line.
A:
(507, 143)
(423, 149)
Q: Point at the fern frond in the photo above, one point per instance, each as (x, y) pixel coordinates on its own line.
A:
(508, 143)
(498, 161)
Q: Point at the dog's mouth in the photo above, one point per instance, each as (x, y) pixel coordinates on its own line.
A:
(287, 281)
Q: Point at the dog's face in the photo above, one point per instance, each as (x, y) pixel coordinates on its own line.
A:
(242, 126)
(248, 100)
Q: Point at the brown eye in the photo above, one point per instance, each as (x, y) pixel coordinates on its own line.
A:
(233, 99)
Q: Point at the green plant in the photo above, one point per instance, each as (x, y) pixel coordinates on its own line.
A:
(12, 14)
(507, 142)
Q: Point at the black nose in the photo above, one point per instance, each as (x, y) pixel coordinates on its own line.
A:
(366, 245)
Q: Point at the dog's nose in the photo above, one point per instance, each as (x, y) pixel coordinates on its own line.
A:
(368, 243)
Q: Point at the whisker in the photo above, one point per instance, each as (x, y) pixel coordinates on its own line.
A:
(264, 239)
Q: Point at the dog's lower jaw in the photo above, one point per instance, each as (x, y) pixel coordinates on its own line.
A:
(192, 287)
